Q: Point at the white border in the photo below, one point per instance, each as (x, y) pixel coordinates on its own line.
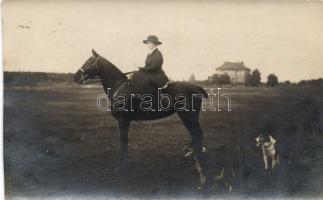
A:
(1, 111)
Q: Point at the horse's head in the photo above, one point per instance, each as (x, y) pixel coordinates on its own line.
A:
(89, 70)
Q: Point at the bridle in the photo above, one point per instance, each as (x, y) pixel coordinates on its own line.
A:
(96, 79)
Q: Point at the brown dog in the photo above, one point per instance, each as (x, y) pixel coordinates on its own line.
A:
(215, 170)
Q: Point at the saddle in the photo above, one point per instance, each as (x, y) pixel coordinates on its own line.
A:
(147, 82)
(140, 84)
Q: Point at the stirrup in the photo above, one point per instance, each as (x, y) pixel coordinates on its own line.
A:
(165, 86)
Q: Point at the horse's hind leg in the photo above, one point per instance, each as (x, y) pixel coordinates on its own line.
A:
(191, 122)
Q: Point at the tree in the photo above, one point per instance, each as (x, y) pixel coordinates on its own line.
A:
(192, 78)
(226, 79)
(248, 80)
(272, 80)
(287, 82)
(255, 79)
(221, 79)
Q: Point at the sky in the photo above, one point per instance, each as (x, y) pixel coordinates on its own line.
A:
(285, 38)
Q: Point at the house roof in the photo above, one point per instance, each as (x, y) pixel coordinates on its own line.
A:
(233, 66)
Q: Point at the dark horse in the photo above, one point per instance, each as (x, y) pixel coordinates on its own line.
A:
(183, 98)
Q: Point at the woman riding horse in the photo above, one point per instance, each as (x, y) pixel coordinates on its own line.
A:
(115, 82)
(153, 65)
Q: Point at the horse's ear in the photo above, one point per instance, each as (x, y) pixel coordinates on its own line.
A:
(95, 54)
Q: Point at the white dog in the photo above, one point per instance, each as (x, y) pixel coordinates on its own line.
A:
(268, 150)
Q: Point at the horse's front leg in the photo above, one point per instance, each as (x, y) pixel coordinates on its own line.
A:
(124, 125)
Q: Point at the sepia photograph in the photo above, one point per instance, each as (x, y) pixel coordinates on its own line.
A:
(152, 99)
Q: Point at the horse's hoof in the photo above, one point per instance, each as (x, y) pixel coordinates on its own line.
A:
(199, 188)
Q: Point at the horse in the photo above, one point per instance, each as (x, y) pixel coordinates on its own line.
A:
(184, 98)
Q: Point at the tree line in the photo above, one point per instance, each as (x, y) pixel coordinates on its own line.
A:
(35, 78)
(254, 80)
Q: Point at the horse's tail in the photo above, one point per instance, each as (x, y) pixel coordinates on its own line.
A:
(203, 92)
(198, 90)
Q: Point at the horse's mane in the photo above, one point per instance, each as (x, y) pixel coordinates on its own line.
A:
(112, 69)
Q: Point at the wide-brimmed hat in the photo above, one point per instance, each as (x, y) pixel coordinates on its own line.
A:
(153, 39)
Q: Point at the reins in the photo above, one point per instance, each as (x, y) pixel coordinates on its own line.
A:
(129, 72)
(99, 79)
(93, 80)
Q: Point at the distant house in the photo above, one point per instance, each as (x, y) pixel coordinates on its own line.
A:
(237, 71)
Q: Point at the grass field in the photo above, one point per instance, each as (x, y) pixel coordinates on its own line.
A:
(58, 144)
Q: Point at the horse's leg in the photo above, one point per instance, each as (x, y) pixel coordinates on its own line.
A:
(191, 122)
(124, 125)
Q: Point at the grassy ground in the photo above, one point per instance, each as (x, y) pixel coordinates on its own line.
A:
(57, 144)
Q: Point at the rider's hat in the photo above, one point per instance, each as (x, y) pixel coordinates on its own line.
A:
(153, 39)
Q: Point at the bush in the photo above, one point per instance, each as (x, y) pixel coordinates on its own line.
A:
(311, 83)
